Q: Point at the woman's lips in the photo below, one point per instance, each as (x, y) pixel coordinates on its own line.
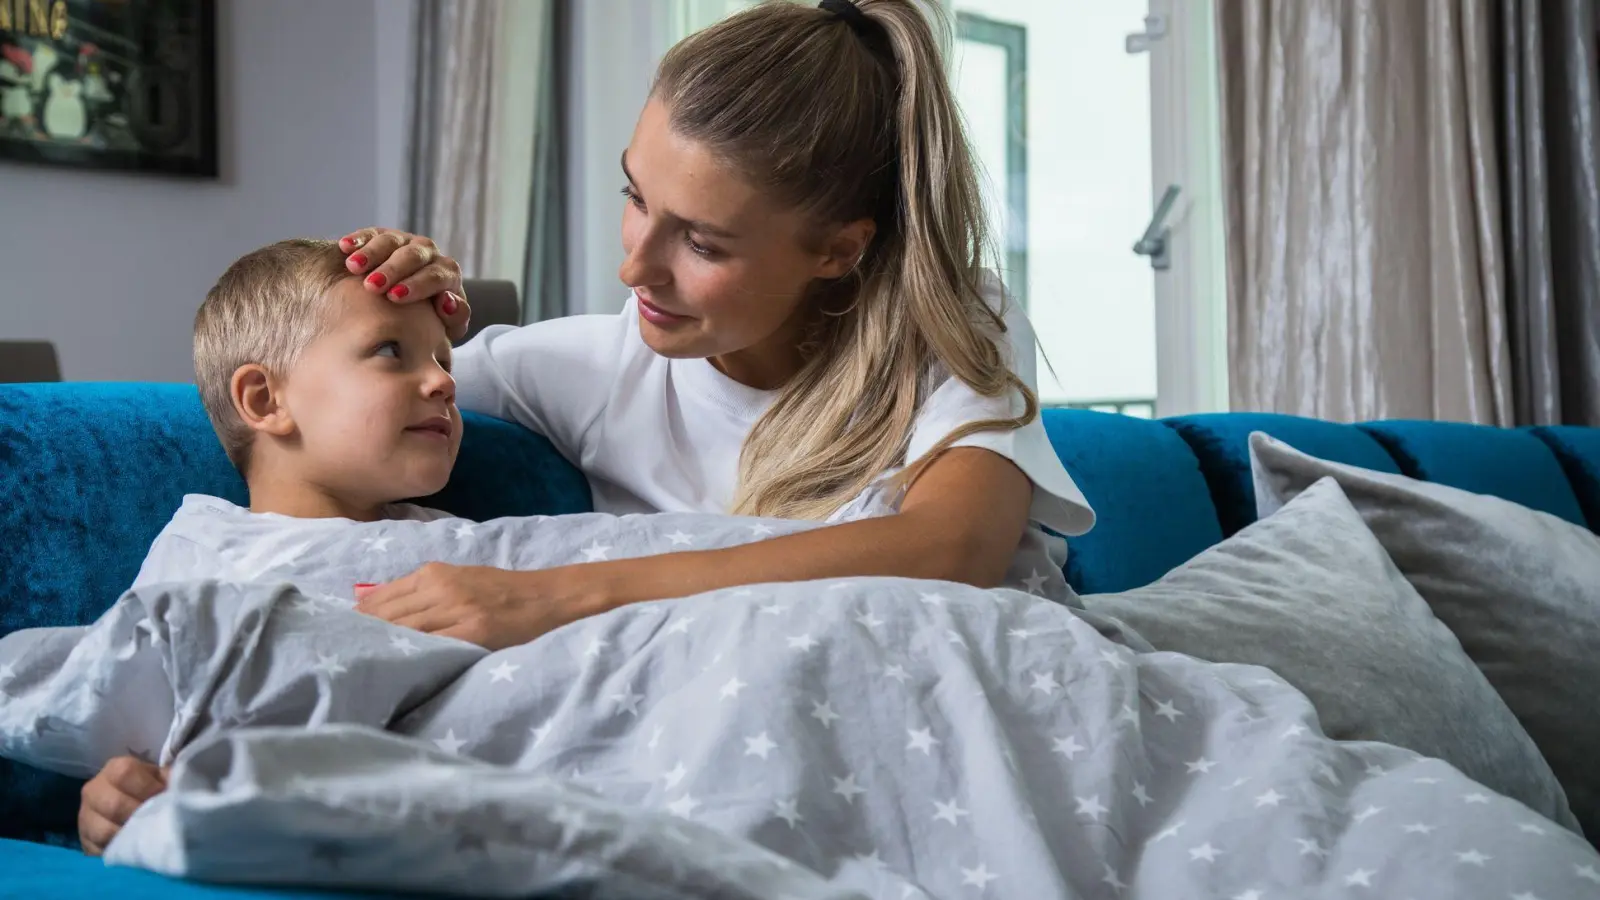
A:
(655, 315)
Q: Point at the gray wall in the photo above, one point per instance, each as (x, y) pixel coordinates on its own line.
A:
(111, 267)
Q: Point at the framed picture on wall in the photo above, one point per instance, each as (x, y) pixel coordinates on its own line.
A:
(110, 84)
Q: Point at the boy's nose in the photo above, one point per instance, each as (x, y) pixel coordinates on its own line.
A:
(440, 384)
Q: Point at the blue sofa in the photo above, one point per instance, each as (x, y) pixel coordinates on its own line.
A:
(90, 472)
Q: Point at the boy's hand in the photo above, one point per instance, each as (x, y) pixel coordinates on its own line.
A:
(112, 796)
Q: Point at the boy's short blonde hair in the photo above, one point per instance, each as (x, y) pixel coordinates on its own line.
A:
(264, 310)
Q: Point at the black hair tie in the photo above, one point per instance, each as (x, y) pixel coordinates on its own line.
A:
(866, 29)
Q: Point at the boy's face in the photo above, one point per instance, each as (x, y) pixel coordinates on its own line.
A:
(373, 403)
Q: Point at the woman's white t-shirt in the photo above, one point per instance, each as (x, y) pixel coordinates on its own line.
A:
(654, 434)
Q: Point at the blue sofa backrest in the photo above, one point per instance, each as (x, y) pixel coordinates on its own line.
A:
(89, 473)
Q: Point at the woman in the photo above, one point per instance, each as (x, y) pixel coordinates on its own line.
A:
(808, 337)
(803, 238)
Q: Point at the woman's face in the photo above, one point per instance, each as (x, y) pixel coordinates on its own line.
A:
(719, 268)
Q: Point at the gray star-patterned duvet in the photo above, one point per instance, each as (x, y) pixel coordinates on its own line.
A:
(882, 738)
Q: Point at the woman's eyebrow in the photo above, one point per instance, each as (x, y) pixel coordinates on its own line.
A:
(692, 224)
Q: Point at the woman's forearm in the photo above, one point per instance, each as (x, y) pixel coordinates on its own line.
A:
(901, 545)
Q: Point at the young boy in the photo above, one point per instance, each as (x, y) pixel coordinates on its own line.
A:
(332, 402)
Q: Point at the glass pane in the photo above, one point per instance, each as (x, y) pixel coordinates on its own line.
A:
(1059, 115)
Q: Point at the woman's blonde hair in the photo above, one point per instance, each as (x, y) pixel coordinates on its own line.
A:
(852, 121)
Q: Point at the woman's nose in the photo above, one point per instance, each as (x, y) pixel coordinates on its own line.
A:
(640, 265)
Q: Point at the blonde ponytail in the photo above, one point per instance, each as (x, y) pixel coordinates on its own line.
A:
(848, 128)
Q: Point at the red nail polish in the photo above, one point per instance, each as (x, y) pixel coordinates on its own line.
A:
(377, 279)
(365, 584)
(360, 259)
(400, 291)
(449, 304)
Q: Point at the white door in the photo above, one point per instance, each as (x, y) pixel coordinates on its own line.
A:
(1086, 116)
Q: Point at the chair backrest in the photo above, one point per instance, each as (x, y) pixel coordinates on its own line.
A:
(28, 361)
(493, 303)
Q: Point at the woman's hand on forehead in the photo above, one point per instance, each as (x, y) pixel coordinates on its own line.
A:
(406, 268)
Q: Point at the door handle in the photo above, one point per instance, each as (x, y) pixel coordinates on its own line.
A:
(1154, 242)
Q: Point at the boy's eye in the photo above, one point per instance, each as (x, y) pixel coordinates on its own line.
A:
(388, 348)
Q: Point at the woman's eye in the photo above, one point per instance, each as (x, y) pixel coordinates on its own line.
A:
(698, 247)
(633, 197)
(388, 348)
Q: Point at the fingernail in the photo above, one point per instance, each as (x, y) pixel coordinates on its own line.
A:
(377, 279)
(400, 291)
(360, 259)
(352, 241)
(449, 305)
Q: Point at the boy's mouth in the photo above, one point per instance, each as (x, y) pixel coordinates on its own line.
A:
(438, 425)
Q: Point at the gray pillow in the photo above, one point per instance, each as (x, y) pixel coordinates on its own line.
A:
(1520, 589)
(1310, 594)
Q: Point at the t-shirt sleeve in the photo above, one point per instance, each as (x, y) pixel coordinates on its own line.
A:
(1057, 502)
(551, 377)
(173, 557)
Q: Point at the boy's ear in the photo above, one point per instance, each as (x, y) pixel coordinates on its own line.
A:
(256, 401)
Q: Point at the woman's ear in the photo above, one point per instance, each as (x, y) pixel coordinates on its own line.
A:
(844, 251)
(257, 402)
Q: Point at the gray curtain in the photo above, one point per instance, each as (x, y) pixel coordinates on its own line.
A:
(544, 280)
(454, 163)
(1362, 209)
(1548, 135)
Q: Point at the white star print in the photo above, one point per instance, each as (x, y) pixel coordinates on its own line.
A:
(655, 737)
(1237, 783)
(774, 609)
(732, 688)
(596, 552)
(868, 620)
(463, 531)
(1201, 765)
(7, 672)
(1140, 794)
(1112, 879)
(948, 812)
(503, 672)
(1020, 634)
(1473, 857)
(1419, 828)
(802, 642)
(1204, 851)
(1166, 709)
(1251, 894)
(760, 745)
(1326, 771)
(1045, 683)
(1375, 770)
(449, 743)
(978, 877)
(921, 739)
(328, 662)
(1128, 714)
(571, 820)
(1035, 581)
(788, 810)
(846, 788)
(932, 599)
(403, 644)
(1362, 877)
(1091, 806)
(1270, 798)
(1068, 747)
(1367, 813)
(627, 701)
(679, 539)
(953, 635)
(540, 733)
(1530, 828)
(148, 626)
(1309, 847)
(1170, 831)
(596, 644)
(760, 530)
(1587, 873)
(823, 712)
(680, 626)
(1114, 659)
(378, 544)
(684, 806)
(897, 672)
(870, 859)
(1476, 798)
(1294, 730)
(675, 775)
